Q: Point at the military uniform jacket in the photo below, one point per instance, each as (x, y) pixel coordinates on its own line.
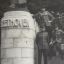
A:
(42, 40)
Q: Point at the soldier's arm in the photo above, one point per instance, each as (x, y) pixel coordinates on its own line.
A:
(51, 16)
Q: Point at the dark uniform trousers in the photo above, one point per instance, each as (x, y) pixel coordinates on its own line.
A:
(40, 52)
(42, 43)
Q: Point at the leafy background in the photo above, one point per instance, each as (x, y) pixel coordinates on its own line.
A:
(35, 5)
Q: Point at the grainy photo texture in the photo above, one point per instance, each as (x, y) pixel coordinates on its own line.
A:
(32, 31)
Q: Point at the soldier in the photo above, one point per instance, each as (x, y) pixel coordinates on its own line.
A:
(58, 40)
(42, 43)
(48, 19)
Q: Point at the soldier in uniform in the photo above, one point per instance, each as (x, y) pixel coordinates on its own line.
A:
(46, 17)
(58, 40)
(42, 43)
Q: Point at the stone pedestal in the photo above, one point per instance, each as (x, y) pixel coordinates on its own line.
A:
(18, 31)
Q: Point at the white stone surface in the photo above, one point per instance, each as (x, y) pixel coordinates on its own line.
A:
(16, 33)
(3, 53)
(27, 52)
(6, 43)
(17, 61)
(17, 14)
(20, 15)
(28, 61)
(14, 52)
(11, 53)
(13, 33)
(21, 49)
(24, 61)
(7, 61)
(29, 33)
(3, 33)
(24, 42)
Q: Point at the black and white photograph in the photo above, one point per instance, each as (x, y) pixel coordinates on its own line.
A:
(32, 31)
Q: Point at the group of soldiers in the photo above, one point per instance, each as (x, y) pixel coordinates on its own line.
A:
(50, 35)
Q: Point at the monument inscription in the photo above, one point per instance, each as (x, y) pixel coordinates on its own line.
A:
(14, 23)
